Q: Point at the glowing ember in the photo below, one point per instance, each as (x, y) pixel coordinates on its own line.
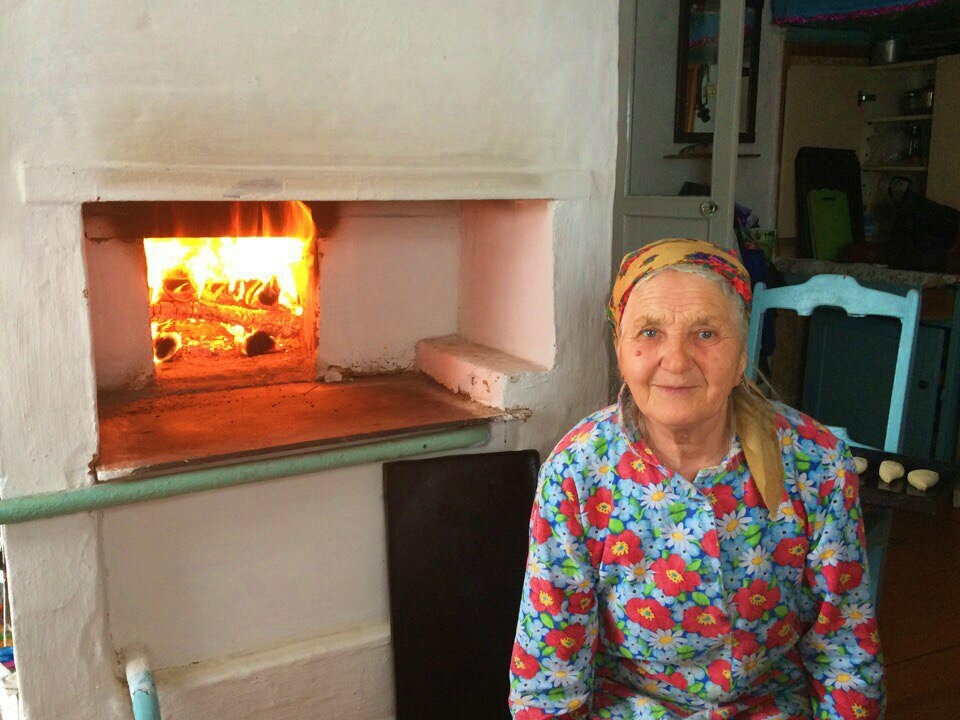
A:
(231, 296)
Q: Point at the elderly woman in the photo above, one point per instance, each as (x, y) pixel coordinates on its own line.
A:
(696, 551)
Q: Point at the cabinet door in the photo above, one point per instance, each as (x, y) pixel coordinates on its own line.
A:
(643, 209)
(943, 174)
(849, 375)
(919, 429)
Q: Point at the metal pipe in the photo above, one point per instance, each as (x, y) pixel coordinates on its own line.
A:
(96, 497)
(143, 688)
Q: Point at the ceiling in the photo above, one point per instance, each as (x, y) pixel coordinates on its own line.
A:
(931, 18)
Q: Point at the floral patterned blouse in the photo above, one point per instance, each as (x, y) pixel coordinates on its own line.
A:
(650, 596)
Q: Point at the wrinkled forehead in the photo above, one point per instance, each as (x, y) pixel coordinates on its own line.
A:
(671, 297)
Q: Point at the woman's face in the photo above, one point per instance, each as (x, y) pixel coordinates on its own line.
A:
(680, 351)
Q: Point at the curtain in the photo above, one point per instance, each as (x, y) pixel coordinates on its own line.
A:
(801, 12)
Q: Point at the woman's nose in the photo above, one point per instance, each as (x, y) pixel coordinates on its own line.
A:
(675, 356)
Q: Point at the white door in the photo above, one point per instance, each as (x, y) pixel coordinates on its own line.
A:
(646, 206)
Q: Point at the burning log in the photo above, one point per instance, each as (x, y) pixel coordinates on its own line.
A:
(265, 293)
(166, 345)
(247, 293)
(177, 285)
(274, 322)
(257, 343)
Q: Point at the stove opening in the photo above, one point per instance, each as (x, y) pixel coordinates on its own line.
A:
(196, 296)
(230, 329)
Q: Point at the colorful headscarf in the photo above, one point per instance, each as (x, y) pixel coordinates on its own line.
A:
(754, 422)
(669, 252)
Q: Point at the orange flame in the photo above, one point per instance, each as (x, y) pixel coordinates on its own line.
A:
(249, 279)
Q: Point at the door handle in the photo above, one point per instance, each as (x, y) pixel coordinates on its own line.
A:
(708, 208)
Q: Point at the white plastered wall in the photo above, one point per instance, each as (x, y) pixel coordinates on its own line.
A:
(428, 100)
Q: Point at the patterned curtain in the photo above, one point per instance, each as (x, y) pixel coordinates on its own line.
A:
(801, 12)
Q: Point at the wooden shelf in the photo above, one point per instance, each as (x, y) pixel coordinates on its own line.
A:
(703, 156)
(895, 168)
(900, 118)
(910, 64)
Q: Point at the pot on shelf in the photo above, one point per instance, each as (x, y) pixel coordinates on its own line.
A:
(886, 51)
(918, 101)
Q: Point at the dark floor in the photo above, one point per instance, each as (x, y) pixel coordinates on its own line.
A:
(919, 616)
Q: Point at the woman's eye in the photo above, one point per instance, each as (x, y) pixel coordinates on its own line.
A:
(706, 334)
(648, 333)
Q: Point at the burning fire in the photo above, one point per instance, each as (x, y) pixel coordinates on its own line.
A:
(231, 296)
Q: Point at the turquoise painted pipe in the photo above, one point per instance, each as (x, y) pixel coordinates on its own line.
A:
(96, 497)
(143, 688)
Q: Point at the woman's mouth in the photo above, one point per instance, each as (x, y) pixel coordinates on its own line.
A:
(675, 389)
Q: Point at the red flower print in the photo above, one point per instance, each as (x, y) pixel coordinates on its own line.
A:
(613, 634)
(753, 601)
(770, 713)
(868, 636)
(599, 507)
(672, 577)
(567, 641)
(843, 577)
(722, 499)
(577, 436)
(522, 663)
(545, 597)
(810, 429)
(711, 543)
(826, 488)
(791, 551)
(571, 511)
(855, 706)
(818, 688)
(595, 548)
(744, 643)
(677, 679)
(850, 492)
(707, 621)
(635, 468)
(649, 613)
(806, 429)
(751, 493)
(828, 620)
(782, 631)
(570, 507)
(719, 672)
(581, 603)
(533, 714)
(540, 529)
(622, 549)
